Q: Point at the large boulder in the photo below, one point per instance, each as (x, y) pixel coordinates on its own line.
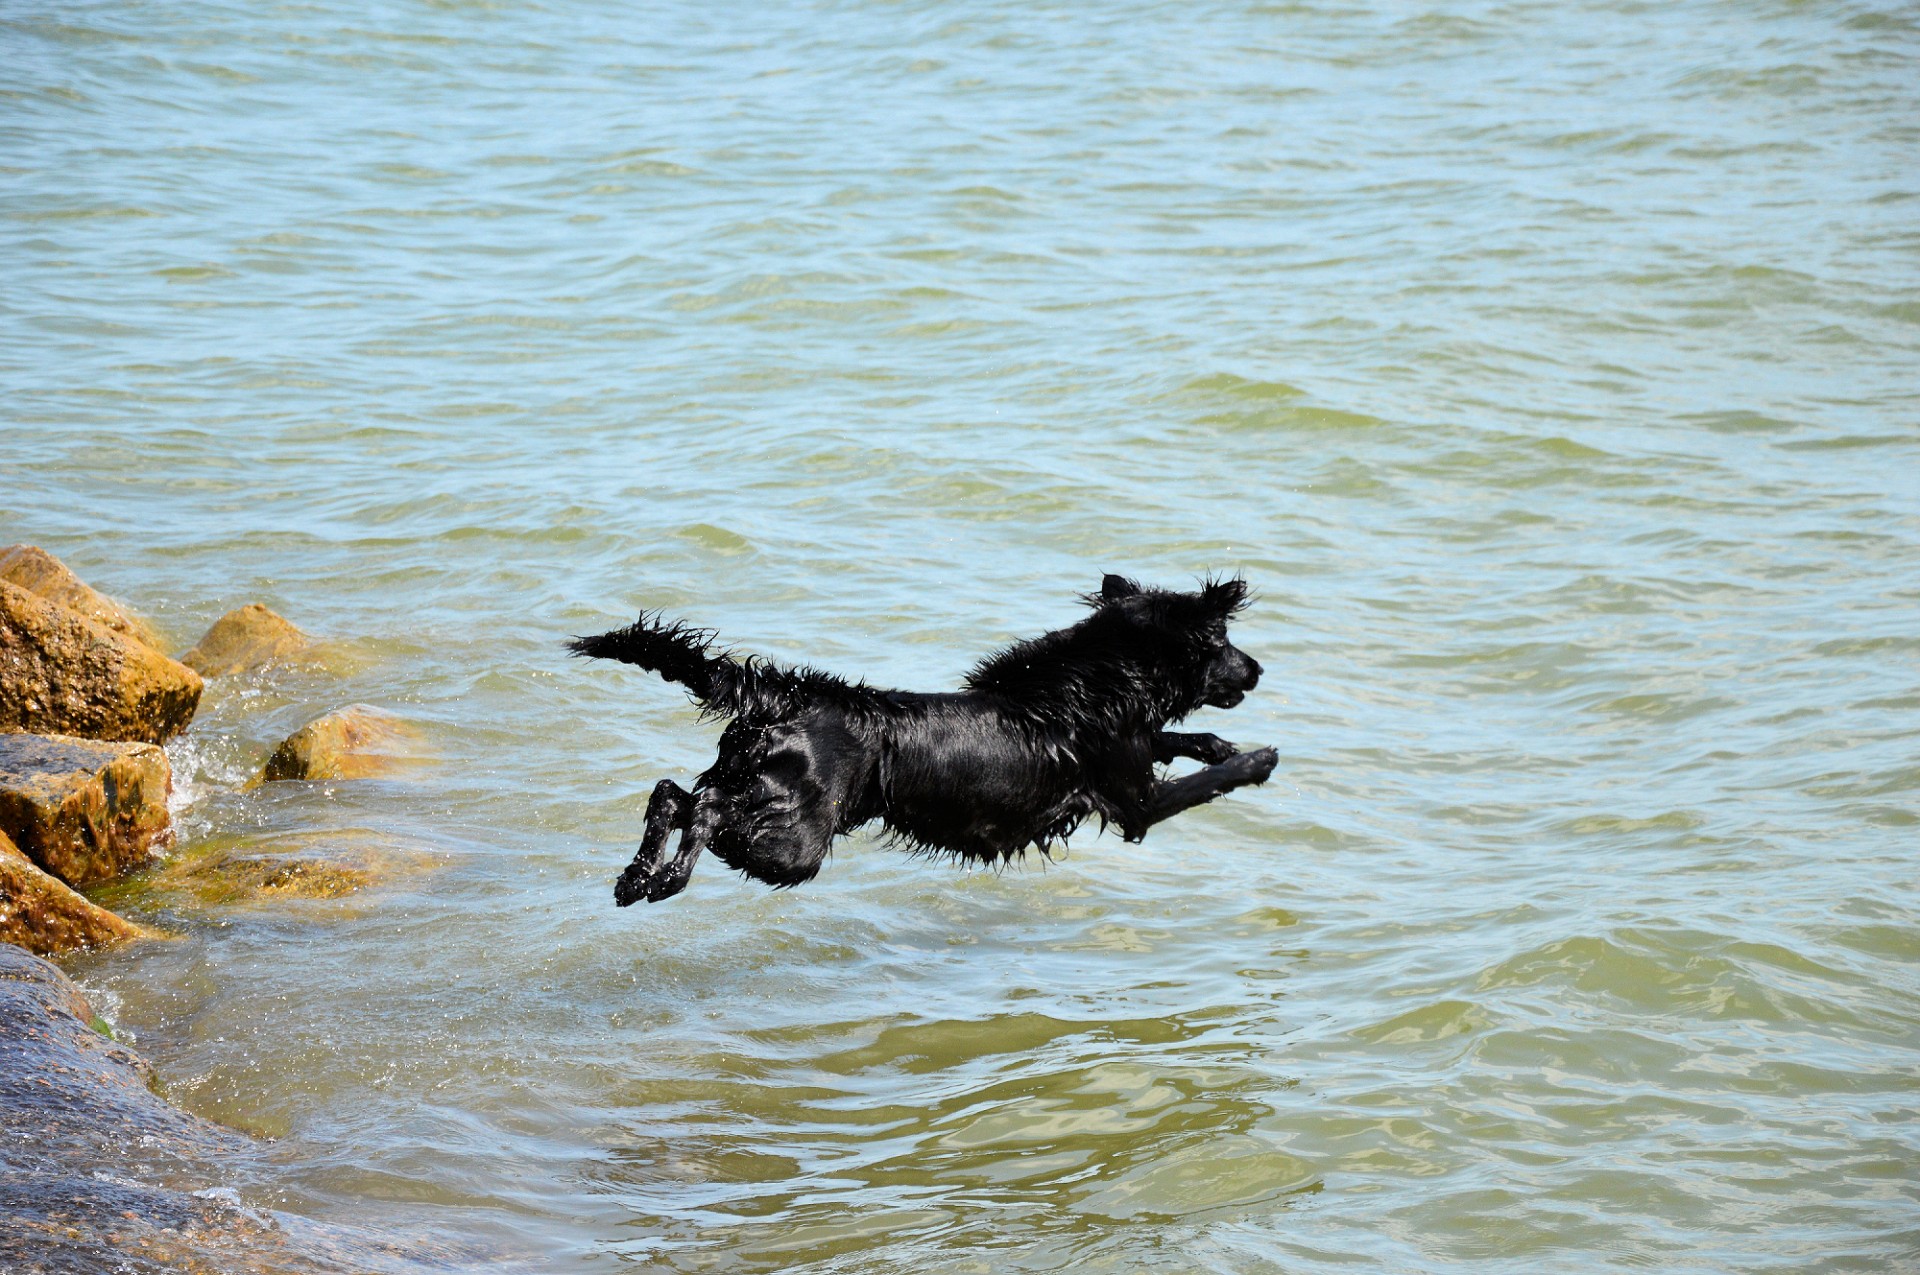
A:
(46, 916)
(84, 810)
(99, 1173)
(353, 743)
(245, 639)
(39, 572)
(85, 1137)
(62, 674)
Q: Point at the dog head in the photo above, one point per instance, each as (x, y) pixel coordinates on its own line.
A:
(1184, 635)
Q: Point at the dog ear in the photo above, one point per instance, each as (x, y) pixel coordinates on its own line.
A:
(1113, 588)
(1225, 596)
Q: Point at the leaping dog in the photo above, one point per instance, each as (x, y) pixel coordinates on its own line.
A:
(1043, 734)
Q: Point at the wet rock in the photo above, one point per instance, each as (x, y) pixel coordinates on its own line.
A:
(84, 810)
(73, 1103)
(98, 1173)
(245, 639)
(243, 872)
(63, 674)
(354, 743)
(46, 916)
(231, 877)
(39, 572)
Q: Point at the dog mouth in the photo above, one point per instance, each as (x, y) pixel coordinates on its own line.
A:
(1226, 699)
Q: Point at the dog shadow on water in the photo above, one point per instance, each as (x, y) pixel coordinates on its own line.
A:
(1044, 733)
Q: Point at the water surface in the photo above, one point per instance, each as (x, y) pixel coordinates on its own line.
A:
(1548, 368)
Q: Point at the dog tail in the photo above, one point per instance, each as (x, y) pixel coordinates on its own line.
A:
(722, 685)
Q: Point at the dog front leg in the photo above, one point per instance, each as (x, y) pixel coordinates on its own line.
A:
(1169, 744)
(1169, 798)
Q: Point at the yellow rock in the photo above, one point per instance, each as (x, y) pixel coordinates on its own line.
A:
(245, 639)
(39, 572)
(228, 877)
(46, 916)
(246, 871)
(63, 674)
(354, 743)
(84, 810)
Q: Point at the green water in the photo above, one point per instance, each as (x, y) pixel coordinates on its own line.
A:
(1549, 369)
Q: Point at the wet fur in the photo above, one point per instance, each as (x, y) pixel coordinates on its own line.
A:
(1043, 735)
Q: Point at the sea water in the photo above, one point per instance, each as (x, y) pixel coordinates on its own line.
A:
(1548, 369)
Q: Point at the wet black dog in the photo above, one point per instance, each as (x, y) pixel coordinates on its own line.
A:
(1046, 733)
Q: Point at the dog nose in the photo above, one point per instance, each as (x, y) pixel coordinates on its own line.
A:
(1253, 671)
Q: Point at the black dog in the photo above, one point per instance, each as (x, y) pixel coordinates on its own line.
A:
(1046, 733)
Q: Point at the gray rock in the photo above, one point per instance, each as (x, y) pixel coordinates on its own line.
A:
(98, 1173)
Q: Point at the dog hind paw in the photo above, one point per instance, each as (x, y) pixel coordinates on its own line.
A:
(628, 890)
(652, 883)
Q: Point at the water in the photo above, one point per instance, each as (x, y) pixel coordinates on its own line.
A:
(1548, 368)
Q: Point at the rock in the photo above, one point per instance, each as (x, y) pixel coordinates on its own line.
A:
(241, 872)
(39, 572)
(84, 810)
(99, 1173)
(60, 673)
(46, 916)
(229, 877)
(73, 1103)
(356, 742)
(245, 639)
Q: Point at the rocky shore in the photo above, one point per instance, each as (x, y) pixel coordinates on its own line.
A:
(96, 1171)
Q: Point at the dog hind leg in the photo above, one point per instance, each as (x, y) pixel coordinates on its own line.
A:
(670, 809)
(710, 811)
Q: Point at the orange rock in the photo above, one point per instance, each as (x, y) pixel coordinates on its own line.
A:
(63, 674)
(245, 639)
(46, 916)
(353, 743)
(39, 572)
(84, 810)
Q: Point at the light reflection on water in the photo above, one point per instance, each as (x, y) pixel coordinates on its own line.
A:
(1548, 369)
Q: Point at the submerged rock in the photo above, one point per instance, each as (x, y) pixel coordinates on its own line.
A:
(243, 872)
(39, 572)
(46, 916)
(232, 877)
(245, 639)
(353, 743)
(84, 810)
(63, 674)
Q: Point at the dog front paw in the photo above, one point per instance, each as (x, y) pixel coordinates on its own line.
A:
(1213, 750)
(1260, 764)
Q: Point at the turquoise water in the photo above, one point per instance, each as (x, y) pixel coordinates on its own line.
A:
(1548, 369)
